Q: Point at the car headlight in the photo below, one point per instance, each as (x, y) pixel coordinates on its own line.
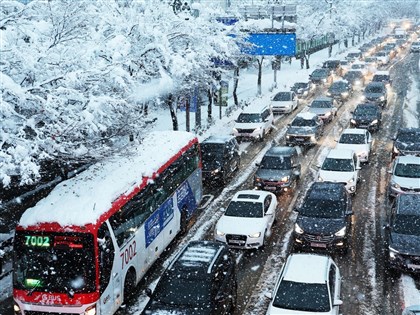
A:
(255, 235)
(393, 253)
(298, 229)
(235, 130)
(345, 94)
(285, 179)
(351, 180)
(327, 114)
(363, 153)
(328, 93)
(287, 137)
(363, 97)
(313, 139)
(396, 150)
(220, 233)
(352, 121)
(374, 122)
(320, 179)
(257, 179)
(91, 310)
(357, 82)
(217, 170)
(16, 308)
(382, 98)
(324, 80)
(395, 185)
(341, 232)
(257, 129)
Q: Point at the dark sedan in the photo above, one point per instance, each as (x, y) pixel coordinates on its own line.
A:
(377, 93)
(303, 89)
(340, 90)
(321, 76)
(407, 142)
(367, 116)
(355, 77)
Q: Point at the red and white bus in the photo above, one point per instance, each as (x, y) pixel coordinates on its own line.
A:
(83, 248)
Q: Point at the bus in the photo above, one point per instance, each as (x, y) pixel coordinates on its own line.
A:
(84, 247)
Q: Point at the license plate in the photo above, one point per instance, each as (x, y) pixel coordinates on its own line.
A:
(413, 266)
(236, 242)
(299, 139)
(319, 245)
(270, 188)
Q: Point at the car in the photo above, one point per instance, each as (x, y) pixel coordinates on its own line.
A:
(358, 140)
(406, 142)
(254, 122)
(279, 169)
(376, 92)
(355, 77)
(307, 284)
(360, 65)
(390, 49)
(411, 310)
(248, 219)
(371, 64)
(367, 116)
(284, 102)
(201, 279)
(345, 66)
(403, 234)
(341, 166)
(415, 47)
(323, 107)
(340, 90)
(382, 76)
(303, 89)
(321, 76)
(333, 65)
(324, 218)
(354, 56)
(220, 158)
(304, 130)
(382, 57)
(405, 176)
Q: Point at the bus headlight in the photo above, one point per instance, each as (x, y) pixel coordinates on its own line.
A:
(91, 310)
(16, 309)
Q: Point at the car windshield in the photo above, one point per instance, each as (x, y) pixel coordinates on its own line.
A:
(380, 78)
(276, 163)
(305, 297)
(407, 224)
(349, 138)
(322, 207)
(320, 72)
(374, 89)
(353, 55)
(358, 66)
(353, 75)
(282, 96)
(182, 291)
(338, 165)
(338, 87)
(212, 149)
(300, 85)
(249, 118)
(321, 104)
(301, 122)
(407, 170)
(381, 54)
(365, 110)
(409, 136)
(245, 209)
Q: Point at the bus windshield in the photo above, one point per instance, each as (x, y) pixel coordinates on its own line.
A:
(54, 262)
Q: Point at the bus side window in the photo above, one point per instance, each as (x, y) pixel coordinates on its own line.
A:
(106, 256)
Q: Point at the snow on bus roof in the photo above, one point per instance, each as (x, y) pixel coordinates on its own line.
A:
(84, 198)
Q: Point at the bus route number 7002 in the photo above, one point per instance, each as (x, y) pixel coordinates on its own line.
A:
(128, 254)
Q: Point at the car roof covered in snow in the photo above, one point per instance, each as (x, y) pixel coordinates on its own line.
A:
(297, 270)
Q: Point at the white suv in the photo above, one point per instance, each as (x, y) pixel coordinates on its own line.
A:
(341, 166)
(358, 140)
(248, 219)
(308, 284)
(284, 102)
(254, 123)
(405, 176)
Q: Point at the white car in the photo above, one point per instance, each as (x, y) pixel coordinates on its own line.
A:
(247, 221)
(358, 140)
(405, 176)
(341, 166)
(308, 284)
(415, 47)
(382, 57)
(360, 65)
(284, 102)
(254, 122)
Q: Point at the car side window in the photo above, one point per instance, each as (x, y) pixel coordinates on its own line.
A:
(267, 203)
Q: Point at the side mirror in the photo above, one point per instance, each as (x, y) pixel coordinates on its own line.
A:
(257, 164)
(389, 172)
(149, 292)
(296, 209)
(318, 165)
(358, 168)
(349, 213)
(222, 209)
(338, 302)
(296, 173)
(268, 295)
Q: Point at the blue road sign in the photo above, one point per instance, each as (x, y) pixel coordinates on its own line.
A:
(279, 44)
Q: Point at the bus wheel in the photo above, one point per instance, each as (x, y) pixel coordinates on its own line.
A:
(184, 221)
(129, 285)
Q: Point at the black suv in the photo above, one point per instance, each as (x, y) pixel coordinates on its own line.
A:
(279, 169)
(321, 76)
(304, 130)
(333, 65)
(201, 280)
(324, 218)
(403, 233)
(367, 116)
(221, 158)
(407, 142)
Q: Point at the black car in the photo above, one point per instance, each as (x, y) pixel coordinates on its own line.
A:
(407, 142)
(324, 218)
(376, 92)
(201, 280)
(321, 76)
(340, 90)
(403, 233)
(355, 78)
(333, 65)
(279, 169)
(304, 130)
(382, 76)
(303, 89)
(367, 116)
(221, 158)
